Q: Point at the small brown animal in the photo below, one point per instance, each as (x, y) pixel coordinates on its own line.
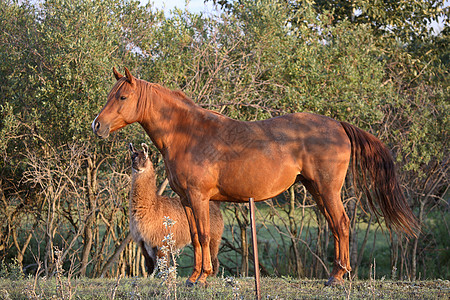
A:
(147, 210)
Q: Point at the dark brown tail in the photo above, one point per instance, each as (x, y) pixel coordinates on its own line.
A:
(375, 159)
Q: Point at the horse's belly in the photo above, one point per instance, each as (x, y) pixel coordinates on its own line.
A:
(260, 181)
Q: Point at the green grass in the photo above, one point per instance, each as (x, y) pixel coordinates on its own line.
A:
(223, 288)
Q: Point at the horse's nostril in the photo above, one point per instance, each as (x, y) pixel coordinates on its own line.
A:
(95, 125)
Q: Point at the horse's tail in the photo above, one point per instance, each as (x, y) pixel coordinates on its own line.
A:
(375, 159)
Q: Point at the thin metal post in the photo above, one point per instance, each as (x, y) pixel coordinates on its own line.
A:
(255, 248)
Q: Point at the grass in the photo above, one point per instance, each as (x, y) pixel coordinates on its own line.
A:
(225, 288)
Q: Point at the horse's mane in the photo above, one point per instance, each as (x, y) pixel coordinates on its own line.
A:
(177, 93)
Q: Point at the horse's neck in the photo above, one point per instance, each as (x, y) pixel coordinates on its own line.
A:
(143, 187)
(167, 114)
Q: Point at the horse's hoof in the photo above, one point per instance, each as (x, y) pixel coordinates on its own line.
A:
(333, 281)
(189, 283)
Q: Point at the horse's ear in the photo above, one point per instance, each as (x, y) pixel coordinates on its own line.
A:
(145, 148)
(131, 148)
(130, 77)
(117, 74)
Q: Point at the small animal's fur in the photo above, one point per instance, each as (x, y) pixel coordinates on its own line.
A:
(147, 210)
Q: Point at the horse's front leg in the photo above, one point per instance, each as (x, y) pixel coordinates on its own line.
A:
(200, 209)
(195, 244)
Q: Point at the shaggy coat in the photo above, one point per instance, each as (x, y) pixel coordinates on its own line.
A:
(147, 210)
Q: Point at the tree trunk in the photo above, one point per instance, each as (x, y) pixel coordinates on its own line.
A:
(394, 256)
(352, 211)
(21, 250)
(416, 242)
(363, 246)
(102, 250)
(89, 223)
(49, 228)
(116, 254)
(319, 251)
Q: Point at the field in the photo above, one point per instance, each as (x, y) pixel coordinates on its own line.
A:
(220, 288)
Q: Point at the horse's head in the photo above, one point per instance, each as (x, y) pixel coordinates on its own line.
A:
(120, 108)
(140, 160)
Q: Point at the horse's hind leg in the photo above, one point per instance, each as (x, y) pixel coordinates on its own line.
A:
(330, 204)
(339, 224)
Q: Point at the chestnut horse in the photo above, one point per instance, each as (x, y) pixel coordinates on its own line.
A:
(209, 156)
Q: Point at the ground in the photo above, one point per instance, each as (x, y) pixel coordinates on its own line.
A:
(220, 288)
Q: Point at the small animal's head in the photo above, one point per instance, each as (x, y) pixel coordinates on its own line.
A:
(140, 160)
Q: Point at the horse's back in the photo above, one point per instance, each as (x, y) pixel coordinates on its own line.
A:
(307, 127)
(267, 156)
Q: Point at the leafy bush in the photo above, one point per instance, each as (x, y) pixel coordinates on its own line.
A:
(12, 270)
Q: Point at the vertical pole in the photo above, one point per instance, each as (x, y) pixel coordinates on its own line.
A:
(255, 247)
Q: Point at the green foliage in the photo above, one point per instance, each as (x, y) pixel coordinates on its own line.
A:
(405, 20)
(225, 62)
(64, 65)
(435, 239)
(334, 76)
(9, 126)
(12, 270)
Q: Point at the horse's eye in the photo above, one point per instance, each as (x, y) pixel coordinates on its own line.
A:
(123, 97)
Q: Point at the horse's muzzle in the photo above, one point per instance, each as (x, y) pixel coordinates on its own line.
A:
(99, 130)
